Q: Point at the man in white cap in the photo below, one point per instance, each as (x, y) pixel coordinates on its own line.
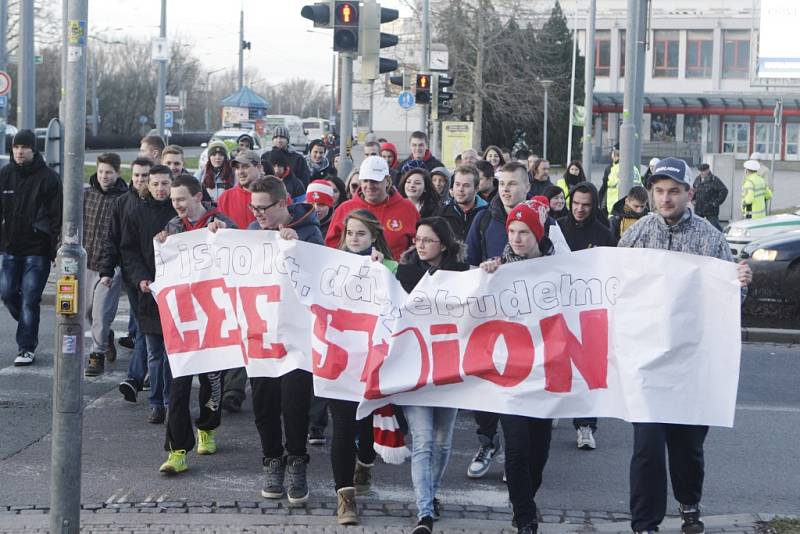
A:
(397, 215)
(755, 191)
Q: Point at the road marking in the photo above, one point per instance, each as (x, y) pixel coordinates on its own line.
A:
(114, 496)
(162, 498)
(124, 498)
(768, 408)
(47, 372)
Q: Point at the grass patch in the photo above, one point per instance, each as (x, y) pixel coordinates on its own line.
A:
(781, 525)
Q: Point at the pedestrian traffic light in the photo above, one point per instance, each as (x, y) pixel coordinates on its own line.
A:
(345, 26)
(400, 80)
(441, 103)
(423, 92)
(371, 40)
(319, 13)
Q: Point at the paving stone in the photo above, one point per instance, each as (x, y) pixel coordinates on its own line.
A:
(92, 506)
(321, 511)
(145, 505)
(246, 504)
(172, 504)
(475, 515)
(269, 504)
(31, 511)
(551, 519)
(254, 510)
(398, 513)
(21, 507)
(226, 504)
(371, 513)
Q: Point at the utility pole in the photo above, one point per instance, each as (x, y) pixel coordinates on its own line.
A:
(95, 102)
(425, 62)
(638, 107)
(346, 128)
(332, 111)
(62, 113)
(3, 62)
(572, 86)
(241, 49)
(546, 84)
(629, 129)
(26, 91)
(65, 477)
(588, 101)
(371, 103)
(162, 75)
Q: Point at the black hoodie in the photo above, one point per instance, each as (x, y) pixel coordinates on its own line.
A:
(589, 232)
(623, 218)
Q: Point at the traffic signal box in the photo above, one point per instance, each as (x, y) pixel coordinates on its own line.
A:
(423, 91)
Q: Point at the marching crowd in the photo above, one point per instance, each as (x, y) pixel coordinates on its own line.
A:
(414, 216)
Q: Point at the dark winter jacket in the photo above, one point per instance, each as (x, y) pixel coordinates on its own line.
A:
(319, 171)
(589, 232)
(297, 162)
(98, 206)
(304, 222)
(294, 187)
(325, 223)
(622, 218)
(428, 161)
(411, 268)
(30, 209)
(459, 221)
(538, 188)
(146, 219)
(486, 241)
(121, 212)
(709, 194)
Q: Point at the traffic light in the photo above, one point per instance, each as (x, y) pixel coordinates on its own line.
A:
(345, 26)
(441, 103)
(371, 40)
(423, 93)
(319, 13)
(400, 80)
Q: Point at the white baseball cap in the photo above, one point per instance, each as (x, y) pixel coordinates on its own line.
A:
(373, 168)
(752, 165)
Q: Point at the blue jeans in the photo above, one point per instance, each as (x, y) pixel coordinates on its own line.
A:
(160, 374)
(432, 440)
(22, 282)
(137, 368)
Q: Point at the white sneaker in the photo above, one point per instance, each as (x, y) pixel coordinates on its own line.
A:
(586, 438)
(24, 358)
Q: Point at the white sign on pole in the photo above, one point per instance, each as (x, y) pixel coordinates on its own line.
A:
(778, 53)
(160, 51)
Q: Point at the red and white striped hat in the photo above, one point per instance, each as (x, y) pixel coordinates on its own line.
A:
(320, 192)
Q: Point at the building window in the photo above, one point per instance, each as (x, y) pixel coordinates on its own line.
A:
(793, 141)
(736, 138)
(602, 53)
(622, 53)
(762, 137)
(662, 127)
(692, 128)
(665, 54)
(699, 51)
(736, 54)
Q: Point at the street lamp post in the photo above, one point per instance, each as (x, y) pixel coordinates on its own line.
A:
(546, 84)
(208, 97)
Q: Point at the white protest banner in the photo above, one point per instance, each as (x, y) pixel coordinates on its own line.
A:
(640, 335)
(226, 300)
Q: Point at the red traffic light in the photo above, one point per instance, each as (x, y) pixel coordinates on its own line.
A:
(347, 14)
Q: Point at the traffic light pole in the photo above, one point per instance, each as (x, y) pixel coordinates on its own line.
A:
(3, 59)
(162, 76)
(65, 476)
(589, 91)
(346, 128)
(629, 129)
(26, 103)
(426, 57)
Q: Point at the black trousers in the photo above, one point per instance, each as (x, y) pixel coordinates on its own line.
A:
(180, 434)
(346, 429)
(527, 442)
(287, 396)
(235, 382)
(684, 443)
(318, 415)
(487, 423)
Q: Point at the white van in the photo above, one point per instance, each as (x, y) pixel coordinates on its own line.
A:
(316, 127)
(298, 136)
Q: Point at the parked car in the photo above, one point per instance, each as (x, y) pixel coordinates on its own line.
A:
(229, 136)
(740, 233)
(775, 261)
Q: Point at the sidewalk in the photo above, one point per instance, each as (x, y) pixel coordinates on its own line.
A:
(319, 517)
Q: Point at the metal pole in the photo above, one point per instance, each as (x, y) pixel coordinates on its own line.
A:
(208, 102)
(62, 102)
(572, 86)
(95, 103)
(3, 61)
(241, 49)
(65, 477)
(638, 108)
(162, 76)
(346, 128)
(26, 93)
(589, 90)
(546, 84)
(628, 128)
(425, 62)
(332, 110)
(371, 103)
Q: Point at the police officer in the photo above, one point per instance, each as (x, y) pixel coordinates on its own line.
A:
(755, 192)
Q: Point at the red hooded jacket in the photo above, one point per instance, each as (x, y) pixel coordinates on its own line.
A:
(234, 203)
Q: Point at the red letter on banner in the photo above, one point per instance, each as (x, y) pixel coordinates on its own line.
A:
(213, 338)
(478, 356)
(175, 340)
(257, 326)
(333, 363)
(562, 349)
(446, 357)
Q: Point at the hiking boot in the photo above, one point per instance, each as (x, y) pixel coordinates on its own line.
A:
(297, 490)
(205, 441)
(316, 436)
(362, 478)
(176, 463)
(530, 528)
(157, 415)
(127, 341)
(483, 458)
(586, 440)
(96, 364)
(274, 472)
(690, 519)
(232, 404)
(24, 357)
(424, 526)
(111, 351)
(129, 389)
(346, 510)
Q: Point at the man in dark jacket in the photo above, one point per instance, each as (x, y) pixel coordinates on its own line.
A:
(319, 167)
(627, 211)
(30, 211)
(280, 161)
(146, 219)
(420, 155)
(111, 263)
(105, 186)
(709, 194)
(280, 141)
(465, 204)
(289, 395)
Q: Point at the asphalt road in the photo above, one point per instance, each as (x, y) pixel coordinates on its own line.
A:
(753, 467)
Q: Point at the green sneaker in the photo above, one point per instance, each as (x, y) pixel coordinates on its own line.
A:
(176, 463)
(206, 444)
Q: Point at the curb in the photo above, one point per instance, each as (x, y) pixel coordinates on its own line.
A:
(770, 335)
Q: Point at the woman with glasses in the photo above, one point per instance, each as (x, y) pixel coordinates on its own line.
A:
(435, 248)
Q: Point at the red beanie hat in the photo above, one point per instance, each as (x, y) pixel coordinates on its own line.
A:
(320, 192)
(533, 213)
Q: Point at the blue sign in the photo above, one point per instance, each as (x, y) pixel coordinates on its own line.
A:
(3, 101)
(168, 122)
(406, 100)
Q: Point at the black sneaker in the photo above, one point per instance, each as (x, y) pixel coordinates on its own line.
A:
(127, 341)
(690, 518)
(96, 364)
(424, 526)
(297, 487)
(530, 528)
(274, 474)
(129, 389)
(157, 415)
(111, 351)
